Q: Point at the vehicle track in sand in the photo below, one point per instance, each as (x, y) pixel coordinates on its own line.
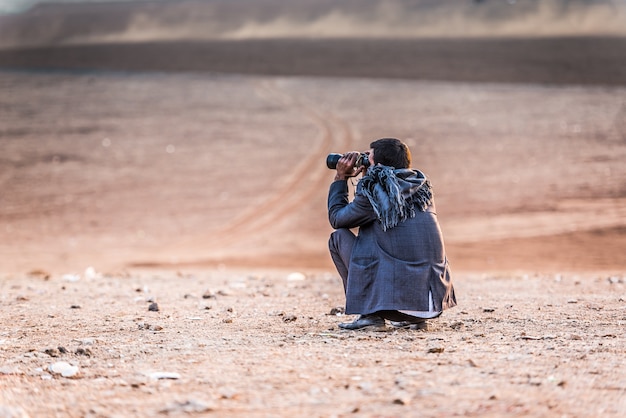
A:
(333, 134)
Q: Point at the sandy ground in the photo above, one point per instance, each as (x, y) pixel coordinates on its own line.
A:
(205, 194)
(262, 343)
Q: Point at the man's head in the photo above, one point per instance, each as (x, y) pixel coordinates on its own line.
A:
(390, 152)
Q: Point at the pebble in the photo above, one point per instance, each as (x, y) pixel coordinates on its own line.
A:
(71, 277)
(190, 406)
(64, 369)
(40, 274)
(86, 341)
(90, 273)
(149, 327)
(457, 325)
(164, 375)
(402, 398)
(339, 310)
(154, 307)
(296, 277)
(83, 352)
(289, 318)
(52, 352)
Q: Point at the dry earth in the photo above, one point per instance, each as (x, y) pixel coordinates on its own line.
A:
(205, 194)
(262, 344)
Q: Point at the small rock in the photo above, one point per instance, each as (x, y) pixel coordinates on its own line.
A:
(86, 341)
(339, 310)
(289, 318)
(149, 327)
(75, 307)
(154, 307)
(39, 274)
(190, 406)
(90, 273)
(228, 393)
(71, 277)
(83, 352)
(296, 277)
(436, 350)
(164, 375)
(52, 352)
(208, 295)
(572, 301)
(489, 309)
(456, 325)
(402, 399)
(62, 350)
(227, 320)
(64, 369)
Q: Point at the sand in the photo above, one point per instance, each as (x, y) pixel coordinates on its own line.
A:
(205, 194)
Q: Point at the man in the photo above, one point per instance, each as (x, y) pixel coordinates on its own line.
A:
(396, 268)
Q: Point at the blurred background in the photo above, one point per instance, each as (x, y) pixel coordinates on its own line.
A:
(179, 133)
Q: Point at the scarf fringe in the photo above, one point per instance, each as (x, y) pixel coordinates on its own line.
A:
(393, 203)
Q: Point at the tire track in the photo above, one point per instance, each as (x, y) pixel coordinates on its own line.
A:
(334, 134)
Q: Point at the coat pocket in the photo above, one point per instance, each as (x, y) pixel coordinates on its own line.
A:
(362, 275)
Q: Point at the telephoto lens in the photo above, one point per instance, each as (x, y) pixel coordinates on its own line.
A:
(331, 160)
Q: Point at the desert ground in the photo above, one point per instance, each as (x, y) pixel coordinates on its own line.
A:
(165, 235)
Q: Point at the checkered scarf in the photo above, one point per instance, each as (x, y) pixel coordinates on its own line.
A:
(396, 194)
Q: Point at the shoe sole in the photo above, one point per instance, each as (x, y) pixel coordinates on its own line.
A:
(415, 327)
(366, 328)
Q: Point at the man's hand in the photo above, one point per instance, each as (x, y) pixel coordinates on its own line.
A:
(345, 166)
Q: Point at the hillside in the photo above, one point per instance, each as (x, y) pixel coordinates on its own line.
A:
(139, 21)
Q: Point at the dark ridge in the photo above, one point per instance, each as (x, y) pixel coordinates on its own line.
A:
(561, 61)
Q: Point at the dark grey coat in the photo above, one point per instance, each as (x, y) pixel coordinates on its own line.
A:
(393, 269)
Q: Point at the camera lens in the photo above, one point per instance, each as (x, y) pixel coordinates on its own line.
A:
(331, 160)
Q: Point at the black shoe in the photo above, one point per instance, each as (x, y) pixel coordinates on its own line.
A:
(364, 322)
(417, 324)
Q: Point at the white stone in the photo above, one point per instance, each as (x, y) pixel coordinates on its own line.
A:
(296, 276)
(71, 277)
(64, 369)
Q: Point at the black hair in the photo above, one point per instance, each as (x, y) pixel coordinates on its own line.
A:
(391, 152)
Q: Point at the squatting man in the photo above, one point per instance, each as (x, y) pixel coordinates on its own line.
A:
(395, 268)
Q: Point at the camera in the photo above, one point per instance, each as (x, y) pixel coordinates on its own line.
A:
(362, 160)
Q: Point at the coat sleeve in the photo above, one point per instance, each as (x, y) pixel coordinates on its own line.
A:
(345, 214)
